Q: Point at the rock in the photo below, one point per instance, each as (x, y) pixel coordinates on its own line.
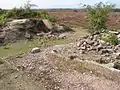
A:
(103, 60)
(90, 42)
(114, 32)
(40, 34)
(1, 61)
(91, 37)
(78, 44)
(96, 43)
(110, 65)
(104, 51)
(47, 24)
(82, 52)
(118, 35)
(95, 37)
(102, 42)
(117, 65)
(108, 47)
(18, 21)
(28, 35)
(72, 57)
(59, 28)
(84, 43)
(35, 50)
(83, 48)
(63, 35)
(116, 55)
(54, 51)
(99, 47)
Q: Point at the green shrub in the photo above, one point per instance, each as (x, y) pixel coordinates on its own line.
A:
(116, 10)
(97, 16)
(110, 38)
(24, 12)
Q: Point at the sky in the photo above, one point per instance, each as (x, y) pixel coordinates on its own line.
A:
(43, 4)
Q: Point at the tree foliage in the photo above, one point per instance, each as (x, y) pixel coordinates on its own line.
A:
(97, 16)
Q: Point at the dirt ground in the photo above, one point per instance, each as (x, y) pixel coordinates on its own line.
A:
(72, 18)
(49, 71)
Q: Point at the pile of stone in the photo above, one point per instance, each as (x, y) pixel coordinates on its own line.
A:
(18, 29)
(93, 45)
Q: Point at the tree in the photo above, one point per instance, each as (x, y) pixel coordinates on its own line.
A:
(97, 16)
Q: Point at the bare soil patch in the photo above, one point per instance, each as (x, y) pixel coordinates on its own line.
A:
(79, 18)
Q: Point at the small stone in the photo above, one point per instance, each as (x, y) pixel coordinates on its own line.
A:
(91, 72)
(35, 50)
(82, 52)
(27, 35)
(104, 51)
(99, 47)
(62, 36)
(108, 47)
(72, 57)
(102, 61)
(95, 38)
(1, 62)
(110, 65)
(40, 34)
(16, 76)
(102, 42)
(54, 51)
(47, 23)
(116, 55)
(118, 35)
(91, 37)
(117, 65)
(114, 32)
(83, 47)
(78, 44)
(95, 43)
(84, 43)
(90, 42)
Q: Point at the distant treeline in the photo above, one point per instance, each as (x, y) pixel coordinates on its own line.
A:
(116, 10)
(69, 9)
(72, 9)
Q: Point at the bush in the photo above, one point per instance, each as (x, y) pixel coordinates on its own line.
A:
(97, 16)
(116, 10)
(24, 12)
(110, 38)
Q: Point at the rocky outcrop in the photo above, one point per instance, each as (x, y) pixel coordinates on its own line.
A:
(18, 29)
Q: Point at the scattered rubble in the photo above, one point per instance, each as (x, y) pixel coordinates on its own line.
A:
(90, 48)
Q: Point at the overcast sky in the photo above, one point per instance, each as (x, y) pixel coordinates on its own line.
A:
(7, 4)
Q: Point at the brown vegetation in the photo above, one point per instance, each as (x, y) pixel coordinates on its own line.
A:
(79, 18)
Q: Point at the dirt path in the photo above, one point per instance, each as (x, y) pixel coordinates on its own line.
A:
(47, 71)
